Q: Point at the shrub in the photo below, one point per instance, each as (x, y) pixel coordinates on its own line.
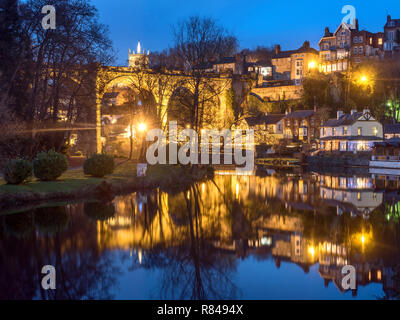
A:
(48, 166)
(99, 165)
(17, 171)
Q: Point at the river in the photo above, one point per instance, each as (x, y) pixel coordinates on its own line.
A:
(269, 236)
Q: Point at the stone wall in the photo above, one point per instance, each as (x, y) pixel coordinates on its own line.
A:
(279, 93)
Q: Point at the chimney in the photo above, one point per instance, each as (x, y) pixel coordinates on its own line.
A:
(306, 45)
(353, 111)
(277, 49)
(356, 24)
(389, 18)
(327, 32)
(339, 114)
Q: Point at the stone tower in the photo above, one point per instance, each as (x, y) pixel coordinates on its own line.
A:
(139, 59)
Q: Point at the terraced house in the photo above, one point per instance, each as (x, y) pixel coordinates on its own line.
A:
(357, 131)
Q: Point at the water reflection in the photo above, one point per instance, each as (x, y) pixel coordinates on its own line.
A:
(193, 243)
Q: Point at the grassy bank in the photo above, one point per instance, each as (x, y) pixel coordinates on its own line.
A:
(74, 185)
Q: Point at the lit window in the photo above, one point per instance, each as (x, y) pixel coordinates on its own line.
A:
(375, 131)
(370, 41)
(345, 131)
(380, 41)
(359, 131)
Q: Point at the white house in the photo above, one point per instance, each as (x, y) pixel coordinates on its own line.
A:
(353, 132)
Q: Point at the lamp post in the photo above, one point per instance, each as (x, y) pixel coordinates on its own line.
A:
(142, 165)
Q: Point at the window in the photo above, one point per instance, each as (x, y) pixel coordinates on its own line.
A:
(355, 50)
(359, 131)
(360, 40)
(370, 41)
(375, 131)
(391, 35)
(345, 131)
(360, 50)
(355, 40)
(380, 41)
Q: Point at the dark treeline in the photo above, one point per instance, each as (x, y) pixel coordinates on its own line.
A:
(45, 74)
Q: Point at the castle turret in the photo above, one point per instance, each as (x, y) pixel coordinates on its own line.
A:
(139, 59)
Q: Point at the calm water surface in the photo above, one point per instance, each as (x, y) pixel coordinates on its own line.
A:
(277, 236)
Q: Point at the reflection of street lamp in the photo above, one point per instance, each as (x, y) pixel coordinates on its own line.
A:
(364, 79)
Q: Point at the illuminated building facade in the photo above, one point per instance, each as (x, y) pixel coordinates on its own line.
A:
(353, 132)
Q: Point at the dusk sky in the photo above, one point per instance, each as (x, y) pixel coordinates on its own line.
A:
(253, 22)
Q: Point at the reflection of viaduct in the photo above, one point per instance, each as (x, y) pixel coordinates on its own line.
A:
(280, 235)
(162, 86)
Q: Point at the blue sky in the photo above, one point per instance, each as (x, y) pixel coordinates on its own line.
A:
(254, 22)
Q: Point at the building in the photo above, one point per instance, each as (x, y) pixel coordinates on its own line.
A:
(263, 69)
(391, 131)
(335, 49)
(139, 59)
(348, 45)
(366, 45)
(392, 35)
(353, 132)
(235, 65)
(301, 125)
(294, 64)
(268, 128)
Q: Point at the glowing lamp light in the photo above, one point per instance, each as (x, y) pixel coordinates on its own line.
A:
(362, 239)
(312, 65)
(142, 127)
(364, 79)
(311, 251)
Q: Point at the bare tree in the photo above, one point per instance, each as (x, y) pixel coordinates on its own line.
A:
(198, 42)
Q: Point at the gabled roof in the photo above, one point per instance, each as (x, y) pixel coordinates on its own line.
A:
(391, 128)
(264, 119)
(396, 23)
(345, 120)
(287, 54)
(299, 114)
(254, 121)
(273, 118)
(344, 25)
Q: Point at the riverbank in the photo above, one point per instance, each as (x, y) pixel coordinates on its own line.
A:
(75, 185)
(339, 160)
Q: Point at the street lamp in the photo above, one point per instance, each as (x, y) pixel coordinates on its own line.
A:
(142, 127)
(312, 65)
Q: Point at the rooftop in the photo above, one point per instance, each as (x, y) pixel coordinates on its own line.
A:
(299, 114)
(391, 128)
(344, 120)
